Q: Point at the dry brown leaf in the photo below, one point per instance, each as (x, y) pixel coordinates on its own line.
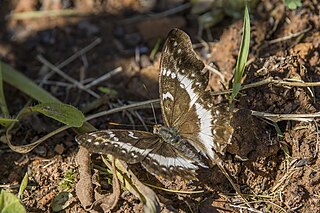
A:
(84, 187)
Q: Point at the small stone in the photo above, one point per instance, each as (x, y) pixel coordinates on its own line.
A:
(59, 149)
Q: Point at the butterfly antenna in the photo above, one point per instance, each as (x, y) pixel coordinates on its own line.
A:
(152, 107)
(234, 185)
(141, 120)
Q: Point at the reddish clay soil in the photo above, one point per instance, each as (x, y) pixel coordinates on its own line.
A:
(276, 172)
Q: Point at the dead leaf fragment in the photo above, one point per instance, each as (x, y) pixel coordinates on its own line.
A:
(84, 188)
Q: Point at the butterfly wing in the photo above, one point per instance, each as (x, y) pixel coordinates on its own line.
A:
(138, 146)
(185, 104)
(130, 146)
(167, 162)
(181, 80)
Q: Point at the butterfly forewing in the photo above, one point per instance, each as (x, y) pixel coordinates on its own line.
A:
(186, 105)
(180, 77)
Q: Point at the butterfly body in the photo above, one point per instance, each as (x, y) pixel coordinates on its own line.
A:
(182, 146)
(193, 128)
(167, 134)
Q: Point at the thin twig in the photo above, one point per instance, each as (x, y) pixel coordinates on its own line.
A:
(289, 36)
(65, 76)
(217, 72)
(140, 105)
(317, 139)
(169, 12)
(270, 80)
(73, 57)
(45, 13)
(104, 77)
(59, 83)
(283, 117)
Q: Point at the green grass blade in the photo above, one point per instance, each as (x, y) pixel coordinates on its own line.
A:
(243, 55)
(3, 104)
(24, 84)
(23, 185)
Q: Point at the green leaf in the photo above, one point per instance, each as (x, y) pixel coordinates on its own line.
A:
(243, 55)
(63, 113)
(61, 201)
(23, 185)
(7, 121)
(293, 4)
(3, 103)
(9, 203)
(67, 181)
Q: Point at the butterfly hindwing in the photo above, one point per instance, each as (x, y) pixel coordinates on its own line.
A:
(167, 162)
(134, 146)
(131, 146)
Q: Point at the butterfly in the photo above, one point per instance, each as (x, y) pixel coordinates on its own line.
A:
(194, 129)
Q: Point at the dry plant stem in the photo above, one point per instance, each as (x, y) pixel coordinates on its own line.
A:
(157, 15)
(65, 76)
(290, 36)
(283, 182)
(217, 72)
(140, 105)
(73, 57)
(254, 210)
(58, 83)
(103, 77)
(45, 13)
(286, 117)
(317, 143)
(27, 148)
(270, 80)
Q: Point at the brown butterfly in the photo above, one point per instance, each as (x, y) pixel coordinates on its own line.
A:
(193, 128)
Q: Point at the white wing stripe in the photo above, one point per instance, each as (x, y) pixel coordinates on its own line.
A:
(206, 137)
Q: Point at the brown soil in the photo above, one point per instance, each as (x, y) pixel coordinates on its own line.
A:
(279, 172)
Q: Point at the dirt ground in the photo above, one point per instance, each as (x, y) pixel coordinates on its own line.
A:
(277, 169)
